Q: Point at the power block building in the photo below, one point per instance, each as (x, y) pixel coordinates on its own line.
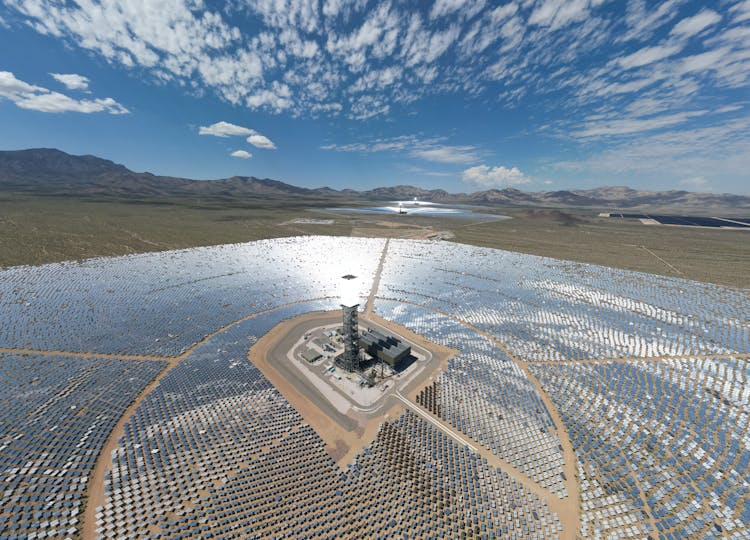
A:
(387, 348)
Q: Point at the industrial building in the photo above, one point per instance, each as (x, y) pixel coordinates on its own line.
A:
(386, 348)
(311, 355)
(380, 346)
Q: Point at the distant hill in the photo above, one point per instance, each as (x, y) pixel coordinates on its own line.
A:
(50, 171)
(398, 193)
(45, 170)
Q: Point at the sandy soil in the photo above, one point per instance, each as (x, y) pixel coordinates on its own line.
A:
(82, 354)
(95, 487)
(630, 360)
(336, 435)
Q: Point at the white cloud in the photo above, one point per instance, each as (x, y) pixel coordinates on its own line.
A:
(719, 154)
(241, 154)
(332, 8)
(427, 172)
(54, 102)
(431, 149)
(378, 78)
(728, 109)
(604, 89)
(367, 59)
(446, 7)
(72, 81)
(642, 20)
(695, 182)
(277, 98)
(173, 39)
(702, 61)
(225, 129)
(495, 177)
(625, 126)
(648, 55)
(261, 141)
(693, 25)
(741, 11)
(400, 143)
(559, 13)
(354, 47)
(447, 154)
(11, 87)
(37, 98)
(421, 45)
(366, 107)
(302, 14)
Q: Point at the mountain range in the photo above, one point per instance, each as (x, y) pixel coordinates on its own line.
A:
(54, 172)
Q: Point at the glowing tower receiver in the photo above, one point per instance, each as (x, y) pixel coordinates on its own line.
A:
(350, 305)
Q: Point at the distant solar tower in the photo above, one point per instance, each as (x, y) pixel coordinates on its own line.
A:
(349, 306)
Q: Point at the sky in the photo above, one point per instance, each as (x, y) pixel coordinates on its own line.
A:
(458, 95)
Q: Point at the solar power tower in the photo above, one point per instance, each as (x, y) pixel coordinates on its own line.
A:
(350, 306)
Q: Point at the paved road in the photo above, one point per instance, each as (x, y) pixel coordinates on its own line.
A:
(437, 424)
(278, 360)
(370, 305)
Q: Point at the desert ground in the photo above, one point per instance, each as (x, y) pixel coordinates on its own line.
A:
(42, 229)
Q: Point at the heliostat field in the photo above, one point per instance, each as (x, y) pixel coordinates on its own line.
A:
(579, 400)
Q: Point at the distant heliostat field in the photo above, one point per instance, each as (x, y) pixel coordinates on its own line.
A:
(581, 401)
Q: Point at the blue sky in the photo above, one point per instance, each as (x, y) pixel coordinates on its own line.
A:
(460, 95)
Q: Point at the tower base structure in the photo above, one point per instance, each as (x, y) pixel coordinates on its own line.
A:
(350, 359)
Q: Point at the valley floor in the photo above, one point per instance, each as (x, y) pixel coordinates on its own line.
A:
(38, 230)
